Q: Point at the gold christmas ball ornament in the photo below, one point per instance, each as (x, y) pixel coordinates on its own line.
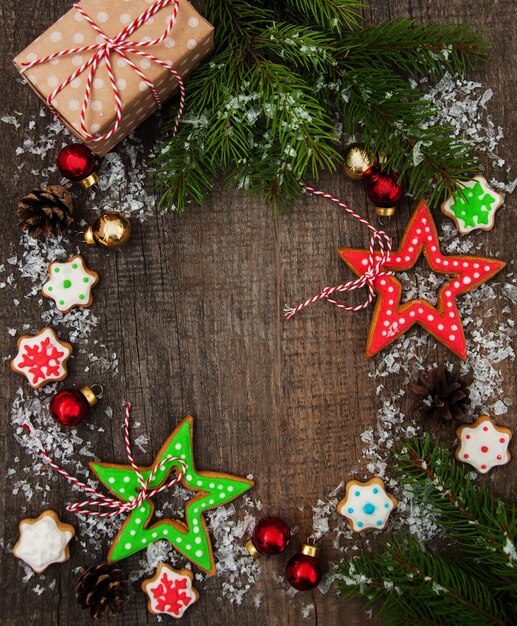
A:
(110, 230)
(357, 161)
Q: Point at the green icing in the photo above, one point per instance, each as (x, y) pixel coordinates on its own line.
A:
(67, 284)
(194, 542)
(81, 296)
(85, 279)
(473, 205)
(74, 266)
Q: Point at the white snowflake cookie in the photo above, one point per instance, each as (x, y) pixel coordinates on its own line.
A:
(483, 444)
(170, 591)
(366, 505)
(473, 206)
(70, 284)
(42, 358)
(43, 541)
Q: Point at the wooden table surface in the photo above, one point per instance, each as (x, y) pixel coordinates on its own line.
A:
(193, 308)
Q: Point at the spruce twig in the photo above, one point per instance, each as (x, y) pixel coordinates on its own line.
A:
(266, 105)
(419, 586)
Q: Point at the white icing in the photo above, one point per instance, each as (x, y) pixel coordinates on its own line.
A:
(36, 340)
(173, 576)
(42, 543)
(70, 284)
(483, 446)
(366, 506)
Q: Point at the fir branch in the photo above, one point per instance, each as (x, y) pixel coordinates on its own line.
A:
(280, 72)
(331, 15)
(413, 48)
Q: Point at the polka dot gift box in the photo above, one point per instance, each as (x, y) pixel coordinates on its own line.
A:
(146, 41)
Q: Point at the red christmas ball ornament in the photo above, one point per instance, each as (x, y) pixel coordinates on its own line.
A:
(77, 163)
(303, 570)
(385, 191)
(270, 536)
(70, 406)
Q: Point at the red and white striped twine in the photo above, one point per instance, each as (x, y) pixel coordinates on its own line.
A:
(373, 269)
(103, 501)
(103, 51)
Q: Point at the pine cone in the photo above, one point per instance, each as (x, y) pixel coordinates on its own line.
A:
(440, 394)
(102, 588)
(45, 212)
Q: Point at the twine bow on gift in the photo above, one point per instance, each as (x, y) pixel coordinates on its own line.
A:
(121, 45)
(374, 269)
(103, 501)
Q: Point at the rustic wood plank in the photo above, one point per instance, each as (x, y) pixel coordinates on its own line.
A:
(193, 307)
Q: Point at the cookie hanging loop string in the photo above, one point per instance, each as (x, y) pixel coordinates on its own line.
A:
(376, 261)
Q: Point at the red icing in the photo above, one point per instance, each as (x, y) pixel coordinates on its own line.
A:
(502, 440)
(391, 318)
(483, 467)
(171, 595)
(42, 360)
(465, 456)
(467, 436)
(484, 448)
(485, 428)
(499, 457)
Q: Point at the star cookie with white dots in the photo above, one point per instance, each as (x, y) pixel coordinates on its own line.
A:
(70, 284)
(483, 444)
(366, 505)
(473, 206)
(43, 541)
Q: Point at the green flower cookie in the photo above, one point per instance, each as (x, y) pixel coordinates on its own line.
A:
(473, 207)
(190, 537)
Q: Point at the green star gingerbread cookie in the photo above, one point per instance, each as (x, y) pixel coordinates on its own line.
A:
(190, 537)
(473, 207)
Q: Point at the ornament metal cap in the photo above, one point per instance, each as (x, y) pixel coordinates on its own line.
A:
(90, 396)
(385, 211)
(88, 236)
(309, 550)
(250, 547)
(90, 180)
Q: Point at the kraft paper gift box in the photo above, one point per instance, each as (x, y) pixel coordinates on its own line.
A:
(188, 43)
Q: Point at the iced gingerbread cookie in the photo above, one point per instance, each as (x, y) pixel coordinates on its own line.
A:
(43, 541)
(392, 318)
(473, 207)
(189, 535)
(42, 358)
(483, 444)
(366, 505)
(70, 284)
(170, 591)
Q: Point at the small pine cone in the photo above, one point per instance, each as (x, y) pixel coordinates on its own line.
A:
(45, 212)
(440, 394)
(103, 589)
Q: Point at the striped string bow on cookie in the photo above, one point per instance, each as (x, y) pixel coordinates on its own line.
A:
(102, 501)
(374, 267)
(103, 51)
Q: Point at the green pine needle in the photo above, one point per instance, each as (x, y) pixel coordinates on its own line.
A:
(265, 110)
(473, 582)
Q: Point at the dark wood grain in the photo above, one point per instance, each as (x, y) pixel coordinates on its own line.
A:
(194, 306)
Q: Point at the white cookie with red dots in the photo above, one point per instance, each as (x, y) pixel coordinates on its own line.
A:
(483, 444)
(43, 541)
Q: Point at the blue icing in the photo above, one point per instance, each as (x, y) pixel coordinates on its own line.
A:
(360, 524)
(387, 506)
(350, 510)
(357, 493)
(369, 508)
(379, 522)
(376, 490)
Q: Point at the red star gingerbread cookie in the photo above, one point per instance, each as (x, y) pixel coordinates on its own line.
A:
(391, 319)
(170, 591)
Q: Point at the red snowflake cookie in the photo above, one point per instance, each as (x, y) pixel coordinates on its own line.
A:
(483, 444)
(42, 358)
(170, 591)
